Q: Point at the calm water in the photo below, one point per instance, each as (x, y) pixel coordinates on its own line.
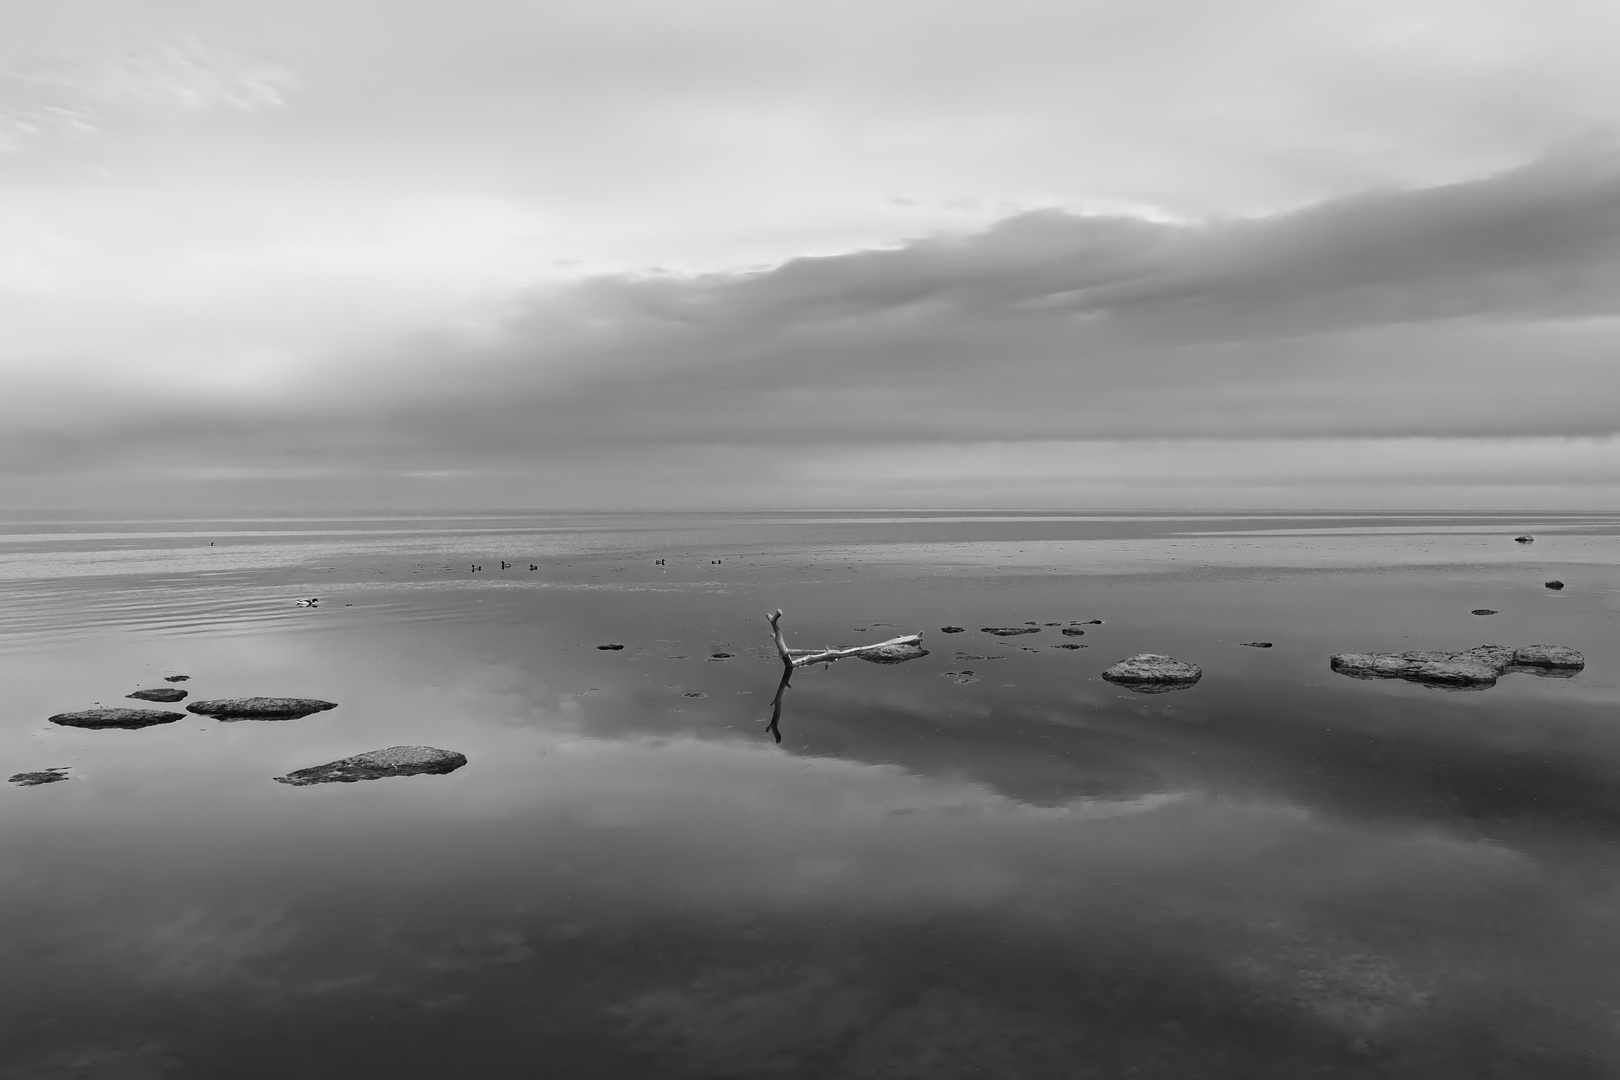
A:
(1020, 872)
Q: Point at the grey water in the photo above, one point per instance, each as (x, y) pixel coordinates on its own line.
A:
(986, 862)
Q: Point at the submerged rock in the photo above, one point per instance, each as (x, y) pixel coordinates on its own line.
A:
(1524, 539)
(1555, 585)
(610, 648)
(1073, 631)
(162, 693)
(1009, 631)
(176, 678)
(1483, 611)
(951, 630)
(896, 653)
(34, 779)
(260, 708)
(116, 718)
(1070, 645)
(376, 764)
(1480, 666)
(1258, 644)
(1153, 673)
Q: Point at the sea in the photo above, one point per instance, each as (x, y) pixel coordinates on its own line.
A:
(987, 861)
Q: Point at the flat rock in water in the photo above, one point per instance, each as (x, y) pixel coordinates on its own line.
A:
(1073, 631)
(176, 678)
(1152, 673)
(1480, 666)
(610, 648)
(260, 708)
(1555, 585)
(116, 718)
(1009, 631)
(1483, 611)
(162, 693)
(376, 764)
(951, 630)
(1258, 644)
(1524, 539)
(897, 653)
(34, 779)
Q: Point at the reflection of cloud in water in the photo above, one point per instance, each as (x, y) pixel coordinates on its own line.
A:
(98, 1060)
(191, 949)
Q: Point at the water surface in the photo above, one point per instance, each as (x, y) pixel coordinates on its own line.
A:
(985, 862)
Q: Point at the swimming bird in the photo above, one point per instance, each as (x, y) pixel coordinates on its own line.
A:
(311, 602)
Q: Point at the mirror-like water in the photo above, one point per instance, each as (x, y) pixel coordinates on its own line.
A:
(984, 862)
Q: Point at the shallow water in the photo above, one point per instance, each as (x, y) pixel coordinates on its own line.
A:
(1020, 872)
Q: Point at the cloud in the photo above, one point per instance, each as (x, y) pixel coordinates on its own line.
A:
(76, 95)
(1465, 310)
(1478, 310)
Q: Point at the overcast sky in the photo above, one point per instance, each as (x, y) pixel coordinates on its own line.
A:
(842, 253)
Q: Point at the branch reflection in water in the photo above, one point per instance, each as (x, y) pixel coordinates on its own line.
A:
(774, 727)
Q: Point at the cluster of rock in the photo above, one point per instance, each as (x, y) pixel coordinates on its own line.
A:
(375, 764)
(1480, 666)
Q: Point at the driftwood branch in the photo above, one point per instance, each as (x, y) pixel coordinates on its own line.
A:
(892, 651)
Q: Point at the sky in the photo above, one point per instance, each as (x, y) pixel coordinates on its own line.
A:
(850, 253)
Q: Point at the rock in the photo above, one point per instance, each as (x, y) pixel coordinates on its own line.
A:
(260, 708)
(1151, 673)
(721, 656)
(1258, 644)
(1073, 631)
(376, 764)
(176, 678)
(1483, 611)
(1070, 645)
(1555, 585)
(162, 693)
(610, 648)
(1009, 631)
(1479, 666)
(116, 718)
(1524, 539)
(1088, 622)
(951, 630)
(34, 779)
(897, 653)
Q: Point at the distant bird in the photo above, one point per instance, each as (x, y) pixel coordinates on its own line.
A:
(505, 565)
(476, 568)
(311, 602)
(533, 567)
